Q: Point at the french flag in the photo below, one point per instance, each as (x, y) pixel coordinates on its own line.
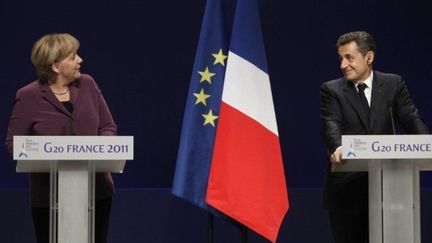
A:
(246, 179)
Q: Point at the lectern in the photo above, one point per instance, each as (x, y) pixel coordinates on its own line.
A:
(393, 163)
(72, 162)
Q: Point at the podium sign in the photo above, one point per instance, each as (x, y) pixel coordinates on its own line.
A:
(72, 162)
(393, 163)
(73, 147)
(387, 147)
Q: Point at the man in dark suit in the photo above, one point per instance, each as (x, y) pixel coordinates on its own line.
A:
(359, 103)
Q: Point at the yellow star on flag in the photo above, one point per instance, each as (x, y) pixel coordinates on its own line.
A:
(219, 58)
(209, 118)
(206, 75)
(201, 97)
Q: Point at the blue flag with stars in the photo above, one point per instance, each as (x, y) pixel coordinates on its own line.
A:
(203, 103)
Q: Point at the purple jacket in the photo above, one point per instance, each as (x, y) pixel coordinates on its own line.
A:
(37, 112)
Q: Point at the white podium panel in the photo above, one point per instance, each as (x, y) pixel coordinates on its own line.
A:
(72, 162)
(42, 166)
(393, 163)
(74, 204)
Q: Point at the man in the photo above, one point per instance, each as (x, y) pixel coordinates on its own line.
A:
(359, 103)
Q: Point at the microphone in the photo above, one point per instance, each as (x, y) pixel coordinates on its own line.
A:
(390, 107)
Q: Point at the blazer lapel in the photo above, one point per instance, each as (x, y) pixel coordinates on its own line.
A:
(376, 98)
(74, 92)
(352, 96)
(49, 96)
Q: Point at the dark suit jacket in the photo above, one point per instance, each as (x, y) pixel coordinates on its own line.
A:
(37, 112)
(341, 114)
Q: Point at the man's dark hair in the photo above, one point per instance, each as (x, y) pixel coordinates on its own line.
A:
(364, 40)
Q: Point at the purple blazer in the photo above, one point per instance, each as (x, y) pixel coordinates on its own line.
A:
(37, 111)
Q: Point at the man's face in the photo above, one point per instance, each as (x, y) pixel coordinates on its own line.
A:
(354, 66)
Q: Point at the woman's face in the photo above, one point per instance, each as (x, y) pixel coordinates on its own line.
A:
(69, 68)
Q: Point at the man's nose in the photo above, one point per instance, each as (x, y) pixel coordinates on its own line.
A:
(343, 63)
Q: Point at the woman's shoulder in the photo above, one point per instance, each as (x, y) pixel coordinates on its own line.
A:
(85, 80)
(30, 89)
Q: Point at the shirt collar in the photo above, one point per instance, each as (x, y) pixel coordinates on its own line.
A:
(368, 81)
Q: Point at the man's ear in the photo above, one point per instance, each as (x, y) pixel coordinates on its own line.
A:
(370, 55)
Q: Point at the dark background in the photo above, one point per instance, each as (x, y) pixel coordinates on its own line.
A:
(141, 54)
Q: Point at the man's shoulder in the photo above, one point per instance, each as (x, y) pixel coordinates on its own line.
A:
(389, 77)
(335, 83)
(381, 76)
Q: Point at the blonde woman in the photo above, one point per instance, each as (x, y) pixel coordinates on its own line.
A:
(62, 101)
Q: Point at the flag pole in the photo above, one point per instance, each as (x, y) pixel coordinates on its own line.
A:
(210, 227)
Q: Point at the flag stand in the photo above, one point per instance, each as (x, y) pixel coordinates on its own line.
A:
(244, 231)
(210, 227)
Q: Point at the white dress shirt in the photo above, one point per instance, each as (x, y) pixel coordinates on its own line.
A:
(368, 90)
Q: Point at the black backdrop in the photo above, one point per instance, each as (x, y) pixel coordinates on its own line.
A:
(141, 54)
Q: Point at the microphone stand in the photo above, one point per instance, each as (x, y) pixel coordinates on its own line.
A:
(391, 117)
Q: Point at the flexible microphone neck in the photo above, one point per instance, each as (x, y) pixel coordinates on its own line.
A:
(389, 104)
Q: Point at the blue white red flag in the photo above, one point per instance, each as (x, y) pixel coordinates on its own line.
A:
(234, 150)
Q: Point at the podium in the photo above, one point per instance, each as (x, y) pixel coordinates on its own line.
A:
(393, 163)
(72, 162)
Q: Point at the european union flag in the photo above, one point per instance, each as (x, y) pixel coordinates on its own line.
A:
(203, 104)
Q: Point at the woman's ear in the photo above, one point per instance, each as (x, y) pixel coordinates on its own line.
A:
(55, 68)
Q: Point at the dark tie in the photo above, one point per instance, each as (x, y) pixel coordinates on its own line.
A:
(363, 99)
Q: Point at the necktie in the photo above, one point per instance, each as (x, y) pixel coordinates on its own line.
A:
(363, 99)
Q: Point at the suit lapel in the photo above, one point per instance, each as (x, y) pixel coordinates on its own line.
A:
(49, 96)
(352, 96)
(376, 98)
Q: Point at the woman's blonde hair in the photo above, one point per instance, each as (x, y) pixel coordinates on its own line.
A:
(50, 49)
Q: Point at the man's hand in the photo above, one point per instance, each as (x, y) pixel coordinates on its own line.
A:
(336, 157)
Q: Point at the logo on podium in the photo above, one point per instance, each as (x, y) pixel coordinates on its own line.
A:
(351, 151)
(23, 152)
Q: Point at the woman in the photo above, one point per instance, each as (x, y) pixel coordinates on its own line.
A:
(61, 102)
